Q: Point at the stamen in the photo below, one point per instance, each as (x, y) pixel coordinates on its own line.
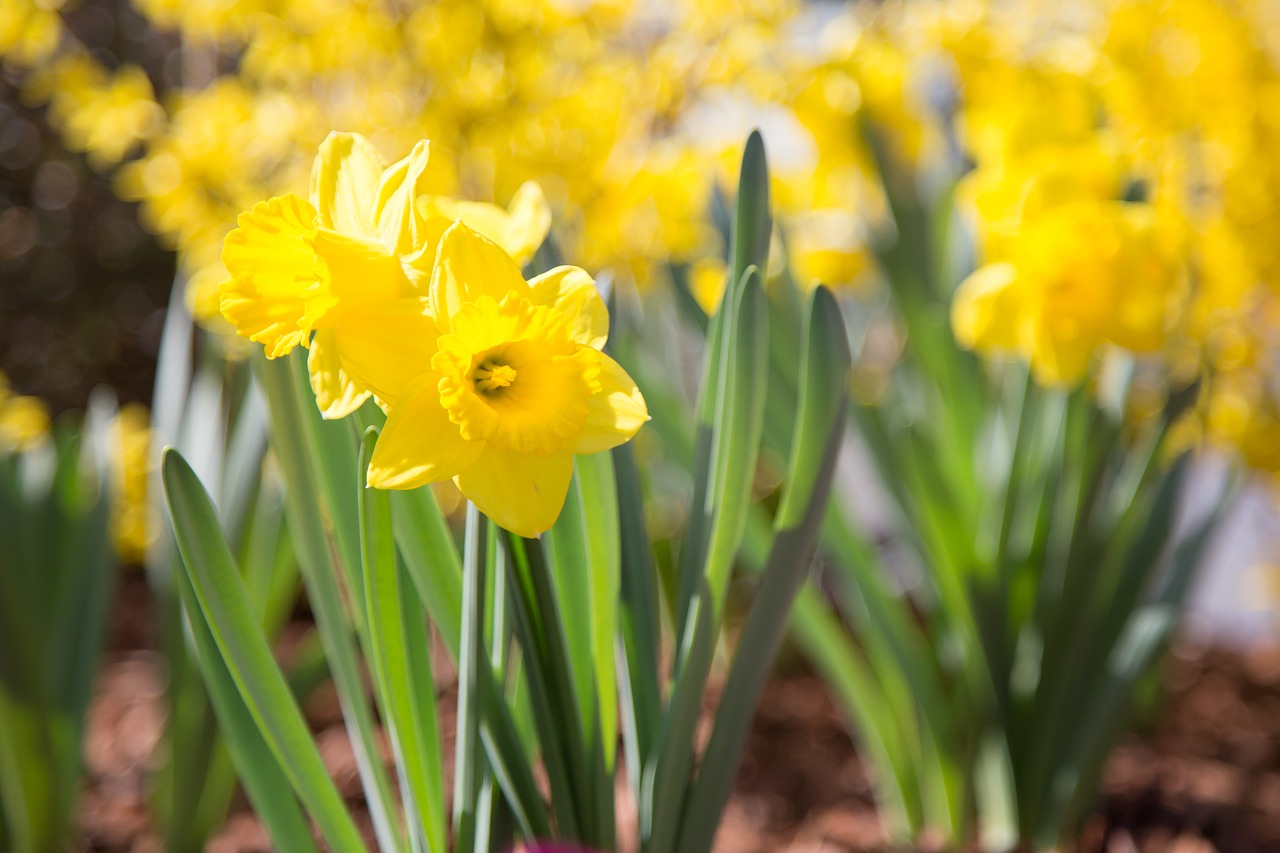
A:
(491, 377)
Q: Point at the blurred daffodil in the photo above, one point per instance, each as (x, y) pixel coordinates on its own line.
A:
(1078, 277)
(24, 421)
(133, 523)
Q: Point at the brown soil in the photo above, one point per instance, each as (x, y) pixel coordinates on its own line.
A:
(1205, 777)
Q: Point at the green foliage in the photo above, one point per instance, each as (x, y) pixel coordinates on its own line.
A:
(555, 639)
(1051, 575)
(57, 584)
(206, 405)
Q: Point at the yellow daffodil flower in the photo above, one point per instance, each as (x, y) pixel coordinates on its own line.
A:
(520, 229)
(497, 384)
(24, 421)
(354, 256)
(828, 247)
(1078, 277)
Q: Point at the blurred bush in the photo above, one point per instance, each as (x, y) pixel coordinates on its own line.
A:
(84, 286)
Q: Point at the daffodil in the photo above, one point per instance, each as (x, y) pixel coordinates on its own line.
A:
(133, 523)
(1078, 277)
(24, 421)
(359, 252)
(498, 384)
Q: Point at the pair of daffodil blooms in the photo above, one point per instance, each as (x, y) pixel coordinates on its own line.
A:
(419, 301)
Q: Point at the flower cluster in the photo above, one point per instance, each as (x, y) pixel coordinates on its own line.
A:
(1123, 192)
(417, 300)
(626, 115)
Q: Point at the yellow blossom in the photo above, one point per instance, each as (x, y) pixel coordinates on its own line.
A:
(358, 253)
(498, 383)
(133, 525)
(29, 30)
(24, 421)
(107, 115)
(1078, 277)
(827, 247)
(706, 282)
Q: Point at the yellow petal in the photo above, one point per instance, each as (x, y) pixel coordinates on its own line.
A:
(274, 284)
(336, 394)
(420, 264)
(399, 222)
(523, 494)
(1056, 361)
(616, 412)
(528, 223)
(419, 444)
(469, 266)
(519, 230)
(987, 311)
(359, 270)
(570, 292)
(706, 281)
(385, 346)
(344, 183)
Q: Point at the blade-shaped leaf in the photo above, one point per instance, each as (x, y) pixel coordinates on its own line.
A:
(218, 590)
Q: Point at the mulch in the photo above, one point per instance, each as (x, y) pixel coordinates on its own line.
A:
(1202, 776)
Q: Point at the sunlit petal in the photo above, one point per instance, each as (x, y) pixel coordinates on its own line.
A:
(398, 220)
(385, 346)
(615, 413)
(571, 293)
(523, 494)
(469, 266)
(419, 444)
(337, 395)
(344, 183)
(274, 294)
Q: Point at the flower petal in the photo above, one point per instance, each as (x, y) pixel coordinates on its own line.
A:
(359, 270)
(519, 230)
(337, 395)
(274, 275)
(528, 222)
(420, 444)
(344, 183)
(398, 220)
(385, 346)
(616, 412)
(469, 266)
(523, 494)
(988, 307)
(570, 292)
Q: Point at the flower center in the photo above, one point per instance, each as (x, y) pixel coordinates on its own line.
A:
(479, 360)
(492, 376)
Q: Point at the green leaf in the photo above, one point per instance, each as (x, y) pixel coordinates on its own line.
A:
(819, 434)
(405, 687)
(664, 782)
(752, 220)
(261, 774)
(749, 248)
(431, 557)
(567, 549)
(876, 724)
(737, 430)
(468, 752)
(293, 420)
(638, 620)
(215, 581)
